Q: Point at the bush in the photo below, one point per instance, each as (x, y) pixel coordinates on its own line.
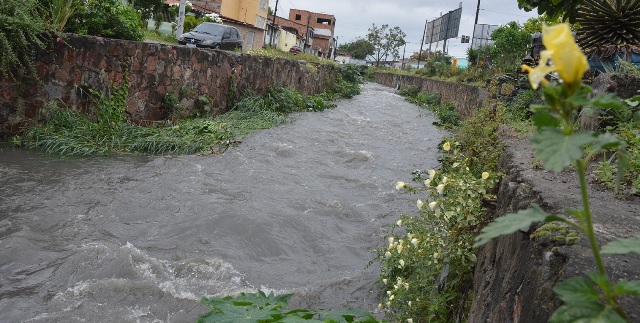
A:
(107, 18)
(21, 33)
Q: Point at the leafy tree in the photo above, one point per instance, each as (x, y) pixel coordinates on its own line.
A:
(385, 41)
(107, 18)
(534, 25)
(510, 45)
(556, 9)
(360, 49)
(148, 8)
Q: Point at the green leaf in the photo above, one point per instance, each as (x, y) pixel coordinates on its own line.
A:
(605, 141)
(557, 151)
(586, 312)
(229, 313)
(579, 99)
(346, 316)
(608, 101)
(577, 290)
(626, 287)
(623, 246)
(542, 118)
(513, 222)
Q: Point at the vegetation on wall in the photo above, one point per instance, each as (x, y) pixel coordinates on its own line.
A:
(427, 265)
(63, 131)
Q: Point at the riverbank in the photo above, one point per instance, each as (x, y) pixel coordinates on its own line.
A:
(515, 274)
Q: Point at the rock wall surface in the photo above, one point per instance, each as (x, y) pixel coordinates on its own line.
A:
(465, 97)
(82, 63)
(515, 274)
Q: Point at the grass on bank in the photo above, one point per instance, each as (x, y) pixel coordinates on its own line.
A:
(63, 131)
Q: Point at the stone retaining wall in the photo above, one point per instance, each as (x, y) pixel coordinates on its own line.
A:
(81, 63)
(465, 97)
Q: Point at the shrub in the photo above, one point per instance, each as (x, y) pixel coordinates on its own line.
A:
(107, 18)
(21, 28)
(427, 266)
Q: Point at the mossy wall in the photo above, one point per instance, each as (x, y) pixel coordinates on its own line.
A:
(79, 63)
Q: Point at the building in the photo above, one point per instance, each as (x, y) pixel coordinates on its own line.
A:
(324, 42)
(249, 16)
(303, 32)
(252, 12)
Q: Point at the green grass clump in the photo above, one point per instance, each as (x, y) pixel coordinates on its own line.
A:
(157, 37)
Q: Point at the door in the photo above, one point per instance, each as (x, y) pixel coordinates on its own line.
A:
(250, 35)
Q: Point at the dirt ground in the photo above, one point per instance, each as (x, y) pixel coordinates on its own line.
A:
(613, 218)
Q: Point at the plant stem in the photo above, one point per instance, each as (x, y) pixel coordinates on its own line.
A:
(581, 166)
(587, 224)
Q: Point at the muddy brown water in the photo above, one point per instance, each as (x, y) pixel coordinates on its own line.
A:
(293, 209)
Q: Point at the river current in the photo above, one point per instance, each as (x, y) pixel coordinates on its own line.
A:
(293, 209)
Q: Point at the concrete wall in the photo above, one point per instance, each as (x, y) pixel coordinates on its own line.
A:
(154, 70)
(466, 97)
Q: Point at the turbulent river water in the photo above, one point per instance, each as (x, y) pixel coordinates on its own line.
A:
(293, 209)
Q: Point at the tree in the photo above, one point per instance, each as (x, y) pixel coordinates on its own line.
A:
(510, 45)
(106, 18)
(385, 42)
(556, 9)
(534, 25)
(360, 48)
(148, 8)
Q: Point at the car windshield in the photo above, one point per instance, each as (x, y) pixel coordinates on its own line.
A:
(212, 29)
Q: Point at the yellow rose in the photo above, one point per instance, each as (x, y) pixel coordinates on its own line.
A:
(400, 185)
(562, 55)
(485, 175)
(446, 146)
(567, 57)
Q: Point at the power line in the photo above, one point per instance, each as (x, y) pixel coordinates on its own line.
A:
(505, 13)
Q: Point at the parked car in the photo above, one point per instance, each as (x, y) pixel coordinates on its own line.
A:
(212, 35)
(295, 49)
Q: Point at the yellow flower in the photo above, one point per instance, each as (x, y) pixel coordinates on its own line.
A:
(401, 263)
(387, 254)
(399, 248)
(414, 242)
(485, 175)
(399, 222)
(446, 146)
(419, 204)
(400, 185)
(433, 205)
(427, 182)
(432, 173)
(565, 55)
(440, 188)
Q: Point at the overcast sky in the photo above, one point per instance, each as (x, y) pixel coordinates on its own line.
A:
(355, 17)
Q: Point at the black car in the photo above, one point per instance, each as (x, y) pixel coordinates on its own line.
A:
(212, 35)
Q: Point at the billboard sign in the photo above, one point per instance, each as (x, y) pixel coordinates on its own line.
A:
(444, 27)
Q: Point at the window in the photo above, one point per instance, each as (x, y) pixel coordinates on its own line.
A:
(323, 21)
(263, 4)
(298, 16)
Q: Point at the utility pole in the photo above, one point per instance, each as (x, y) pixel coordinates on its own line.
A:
(422, 42)
(403, 52)
(476, 23)
(180, 28)
(274, 25)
